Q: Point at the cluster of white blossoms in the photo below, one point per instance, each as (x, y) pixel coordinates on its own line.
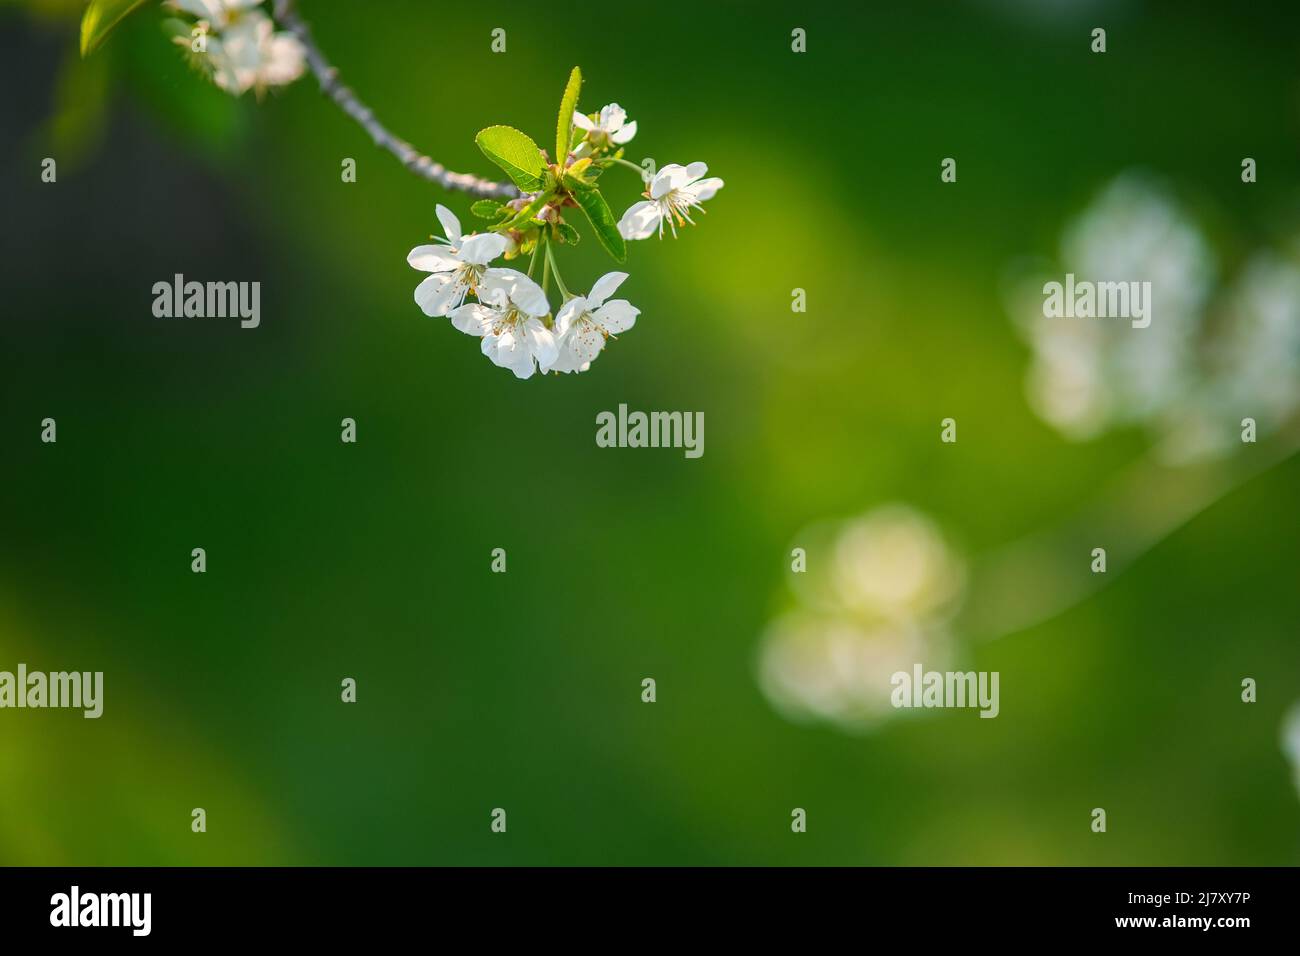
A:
(512, 314)
(509, 310)
(236, 43)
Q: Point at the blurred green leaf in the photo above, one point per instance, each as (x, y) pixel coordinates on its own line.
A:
(568, 105)
(515, 153)
(602, 220)
(567, 234)
(100, 18)
(75, 126)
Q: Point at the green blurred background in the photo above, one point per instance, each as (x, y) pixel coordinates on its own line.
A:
(522, 690)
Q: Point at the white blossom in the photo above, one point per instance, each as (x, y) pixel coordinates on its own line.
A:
(585, 322)
(457, 265)
(672, 194)
(243, 51)
(508, 317)
(610, 125)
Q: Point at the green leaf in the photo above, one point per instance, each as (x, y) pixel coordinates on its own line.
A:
(602, 220)
(515, 153)
(576, 184)
(488, 209)
(100, 18)
(565, 123)
(567, 234)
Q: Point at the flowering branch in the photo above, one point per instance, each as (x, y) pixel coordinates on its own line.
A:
(327, 75)
(242, 47)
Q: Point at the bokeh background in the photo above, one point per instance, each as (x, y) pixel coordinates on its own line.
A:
(522, 690)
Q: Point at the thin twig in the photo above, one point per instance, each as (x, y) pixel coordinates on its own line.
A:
(410, 157)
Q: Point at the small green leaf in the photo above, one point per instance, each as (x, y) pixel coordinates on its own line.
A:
(515, 153)
(565, 123)
(488, 209)
(602, 220)
(567, 234)
(100, 18)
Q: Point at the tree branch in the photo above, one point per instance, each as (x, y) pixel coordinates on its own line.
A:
(347, 101)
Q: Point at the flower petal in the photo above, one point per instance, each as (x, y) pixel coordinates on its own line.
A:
(507, 351)
(439, 294)
(521, 290)
(565, 362)
(541, 343)
(704, 189)
(605, 286)
(582, 121)
(625, 134)
(585, 340)
(482, 248)
(612, 118)
(286, 60)
(569, 313)
(209, 10)
(617, 316)
(641, 221)
(524, 366)
(665, 179)
(491, 347)
(473, 318)
(450, 224)
(430, 258)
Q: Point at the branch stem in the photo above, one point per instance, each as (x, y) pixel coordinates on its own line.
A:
(328, 78)
(546, 265)
(550, 258)
(631, 165)
(532, 260)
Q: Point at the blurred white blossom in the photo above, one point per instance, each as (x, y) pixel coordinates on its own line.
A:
(242, 49)
(1253, 363)
(893, 563)
(1291, 742)
(1090, 374)
(838, 670)
(1211, 355)
(876, 602)
(217, 13)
